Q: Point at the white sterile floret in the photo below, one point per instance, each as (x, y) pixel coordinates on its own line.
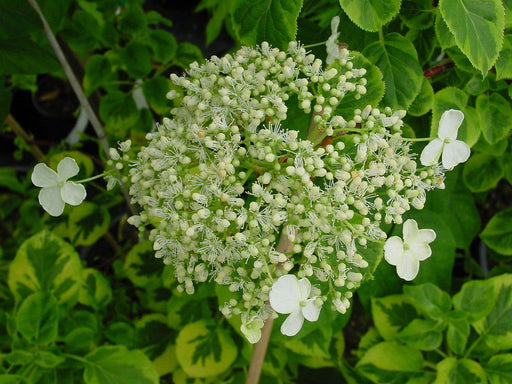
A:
(251, 328)
(56, 190)
(407, 254)
(453, 151)
(291, 296)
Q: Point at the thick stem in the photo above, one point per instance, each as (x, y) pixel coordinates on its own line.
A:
(260, 348)
(75, 84)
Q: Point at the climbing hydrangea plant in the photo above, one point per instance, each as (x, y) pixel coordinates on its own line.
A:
(236, 189)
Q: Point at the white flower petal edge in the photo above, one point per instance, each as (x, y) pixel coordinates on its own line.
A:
(56, 190)
(331, 43)
(453, 151)
(291, 296)
(407, 254)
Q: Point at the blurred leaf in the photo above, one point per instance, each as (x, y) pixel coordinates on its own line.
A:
(155, 91)
(118, 110)
(424, 101)
(37, 318)
(87, 223)
(421, 334)
(98, 71)
(504, 63)
(475, 299)
(499, 369)
(391, 314)
(497, 234)
(21, 55)
(451, 370)
(482, 172)
(495, 116)
(163, 44)
(371, 15)
(95, 290)
(116, 364)
(458, 331)
(274, 21)
(132, 20)
(477, 26)
(9, 180)
(443, 33)
(429, 299)
(187, 53)
(417, 14)
(136, 59)
(141, 266)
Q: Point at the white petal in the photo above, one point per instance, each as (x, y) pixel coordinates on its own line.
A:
(311, 311)
(284, 295)
(455, 153)
(431, 152)
(449, 124)
(305, 288)
(393, 250)
(408, 267)
(67, 168)
(50, 200)
(293, 323)
(44, 176)
(421, 251)
(426, 235)
(410, 231)
(73, 193)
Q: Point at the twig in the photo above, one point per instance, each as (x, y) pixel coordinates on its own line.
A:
(77, 88)
(260, 349)
(20, 132)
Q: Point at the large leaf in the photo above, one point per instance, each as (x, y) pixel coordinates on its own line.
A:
(482, 172)
(504, 63)
(458, 331)
(116, 364)
(141, 266)
(371, 15)
(496, 328)
(391, 314)
(22, 56)
(88, 222)
(477, 26)
(163, 44)
(495, 116)
(451, 370)
(274, 21)
(424, 101)
(429, 299)
(136, 59)
(499, 369)
(476, 299)
(205, 349)
(17, 19)
(397, 59)
(497, 234)
(37, 318)
(422, 334)
(44, 262)
(95, 290)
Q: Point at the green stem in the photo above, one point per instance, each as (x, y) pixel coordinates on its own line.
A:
(75, 357)
(444, 355)
(475, 343)
(94, 177)
(314, 45)
(409, 138)
(381, 36)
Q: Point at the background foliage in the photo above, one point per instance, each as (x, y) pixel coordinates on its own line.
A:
(83, 300)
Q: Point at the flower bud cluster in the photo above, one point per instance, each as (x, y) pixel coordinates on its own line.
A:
(228, 177)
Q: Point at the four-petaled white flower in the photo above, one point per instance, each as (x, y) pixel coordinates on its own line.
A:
(454, 151)
(291, 296)
(252, 328)
(56, 190)
(407, 254)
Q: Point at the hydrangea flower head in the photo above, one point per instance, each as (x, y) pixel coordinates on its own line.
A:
(56, 190)
(406, 254)
(292, 296)
(453, 151)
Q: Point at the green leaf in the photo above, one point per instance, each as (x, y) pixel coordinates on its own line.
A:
(496, 328)
(11, 379)
(5, 101)
(371, 15)
(95, 290)
(429, 299)
(9, 179)
(132, 20)
(87, 223)
(425, 42)
(424, 101)
(458, 331)
(314, 344)
(497, 234)
(397, 59)
(121, 333)
(46, 359)
(44, 262)
(464, 371)
(84, 163)
(98, 71)
(477, 26)
(205, 349)
(187, 53)
(118, 110)
(79, 331)
(214, 26)
(155, 91)
(38, 317)
(476, 85)
(17, 19)
(475, 299)
(22, 56)
(443, 33)
(116, 364)
(482, 172)
(495, 116)
(421, 334)
(136, 59)
(499, 369)
(461, 60)
(141, 266)
(418, 14)
(391, 314)
(274, 21)
(390, 359)
(504, 64)
(375, 87)
(163, 44)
